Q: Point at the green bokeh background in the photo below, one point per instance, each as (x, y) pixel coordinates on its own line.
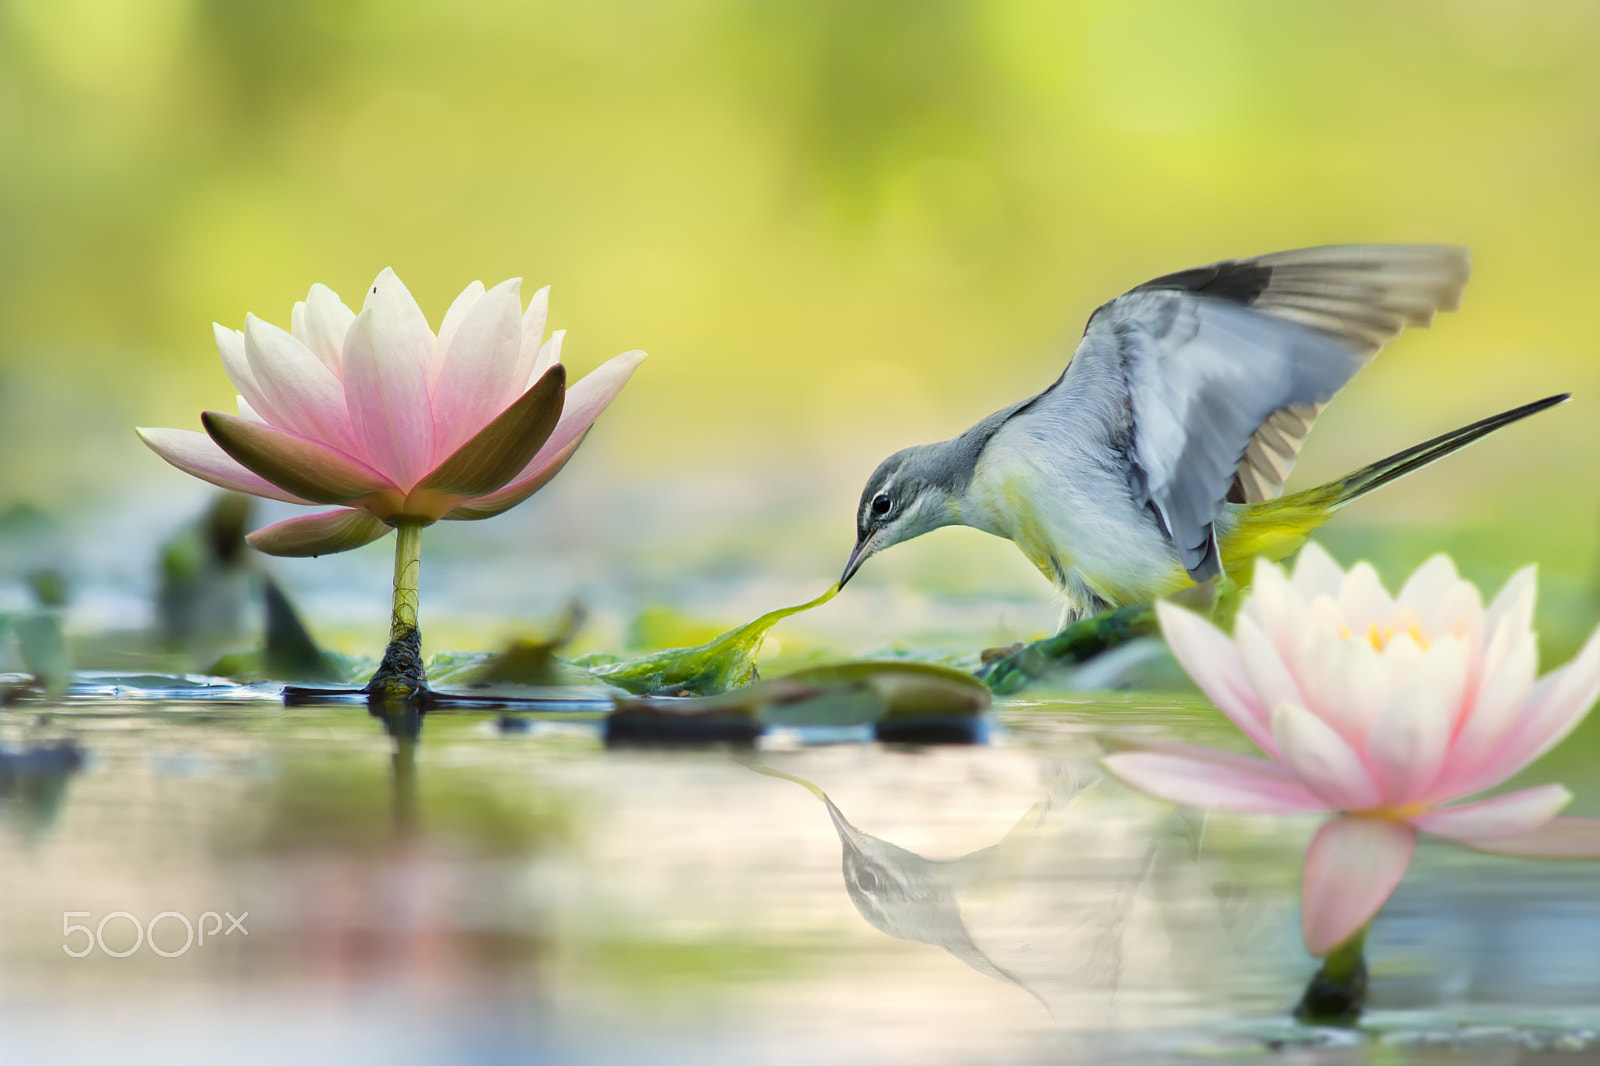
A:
(838, 227)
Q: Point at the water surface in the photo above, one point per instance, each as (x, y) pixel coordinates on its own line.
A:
(507, 890)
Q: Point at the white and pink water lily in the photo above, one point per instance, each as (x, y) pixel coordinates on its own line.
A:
(1385, 711)
(375, 414)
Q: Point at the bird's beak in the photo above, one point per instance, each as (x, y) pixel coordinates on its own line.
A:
(858, 555)
(849, 835)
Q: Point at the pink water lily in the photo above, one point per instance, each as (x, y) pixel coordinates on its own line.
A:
(374, 413)
(1384, 710)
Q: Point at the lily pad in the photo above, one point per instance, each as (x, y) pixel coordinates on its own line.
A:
(899, 702)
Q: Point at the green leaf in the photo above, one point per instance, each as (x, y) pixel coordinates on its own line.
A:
(725, 663)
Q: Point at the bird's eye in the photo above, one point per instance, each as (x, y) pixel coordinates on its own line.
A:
(867, 881)
(881, 503)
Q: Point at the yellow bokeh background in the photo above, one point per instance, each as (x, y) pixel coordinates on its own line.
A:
(838, 227)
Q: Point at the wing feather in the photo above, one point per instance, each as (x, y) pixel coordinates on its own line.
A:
(1227, 366)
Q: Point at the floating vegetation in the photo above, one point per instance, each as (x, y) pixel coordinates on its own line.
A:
(898, 702)
(728, 662)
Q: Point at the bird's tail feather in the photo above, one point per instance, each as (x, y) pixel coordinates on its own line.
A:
(1355, 485)
(1275, 529)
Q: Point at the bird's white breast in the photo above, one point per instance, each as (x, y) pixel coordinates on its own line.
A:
(1065, 500)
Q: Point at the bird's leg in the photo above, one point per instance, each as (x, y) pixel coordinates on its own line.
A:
(1077, 643)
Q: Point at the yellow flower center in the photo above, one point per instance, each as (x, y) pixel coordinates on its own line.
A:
(1406, 622)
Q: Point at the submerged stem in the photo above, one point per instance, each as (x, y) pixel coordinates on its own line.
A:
(400, 675)
(1338, 991)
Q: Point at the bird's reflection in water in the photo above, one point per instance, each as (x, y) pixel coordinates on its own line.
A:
(1096, 902)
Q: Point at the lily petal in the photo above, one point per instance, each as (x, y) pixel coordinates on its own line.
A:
(321, 323)
(587, 397)
(1212, 780)
(1211, 659)
(447, 328)
(1276, 608)
(1559, 838)
(474, 382)
(1263, 663)
(386, 388)
(499, 452)
(1322, 760)
(308, 469)
(318, 534)
(1364, 599)
(1352, 868)
(1501, 696)
(230, 345)
(1315, 573)
(1513, 605)
(1557, 703)
(1345, 681)
(1429, 584)
(533, 325)
(1408, 741)
(198, 455)
(513, 494)
(549, 353)
(1511, 814)
(308, 396)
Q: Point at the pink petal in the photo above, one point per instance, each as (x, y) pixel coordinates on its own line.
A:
(447, 329)
(230, 345)
(1429, 585)
(308, 397)
(1557, 704)
(1408, 742)
(385, 385)
(1513, 605)
(1511, 814)
(1316, 574)
(1459, 614)
(1364, 600)
(1352, 868)
(496, 454)
(585, 400)
(1276, 608)
(321, 322)
(1322, 760)
(1264, 666)
(1212, 780)
(533, 324)
(1559, 838)
(1210, 658)
(474, 382)
(307, 468)
(1345, 682)
(503, 500)
(200, 456)
(1502, 693)
(549, 354)
(318, 534)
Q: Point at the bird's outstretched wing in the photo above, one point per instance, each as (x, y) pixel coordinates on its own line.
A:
(1226, 366)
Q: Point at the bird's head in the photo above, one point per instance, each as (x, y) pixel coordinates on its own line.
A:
(911, 492)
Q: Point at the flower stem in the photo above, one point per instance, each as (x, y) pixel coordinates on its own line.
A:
(1338, 991)
(400, 676)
